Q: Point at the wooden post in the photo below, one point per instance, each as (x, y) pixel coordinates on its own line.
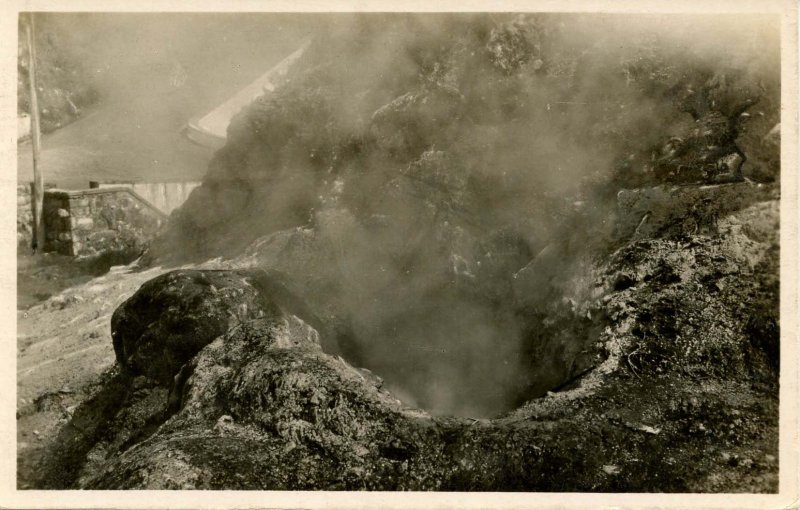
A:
(38, 180)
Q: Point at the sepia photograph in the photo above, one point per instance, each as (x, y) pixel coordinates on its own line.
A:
(497, 251)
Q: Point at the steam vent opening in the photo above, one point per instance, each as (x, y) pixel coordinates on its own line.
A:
(473, 326)
(447, 347)
(451, 355)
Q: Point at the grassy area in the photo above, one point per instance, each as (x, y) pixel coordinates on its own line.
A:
(43, 275)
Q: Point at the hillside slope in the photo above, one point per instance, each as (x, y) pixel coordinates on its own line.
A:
(151, 75)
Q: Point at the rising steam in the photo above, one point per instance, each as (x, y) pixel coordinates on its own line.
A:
(458, 172)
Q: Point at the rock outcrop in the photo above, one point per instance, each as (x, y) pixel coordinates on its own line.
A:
(686, 399)
(172, 317)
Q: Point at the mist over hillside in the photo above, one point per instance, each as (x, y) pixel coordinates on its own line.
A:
(458, 172)
(149, 73)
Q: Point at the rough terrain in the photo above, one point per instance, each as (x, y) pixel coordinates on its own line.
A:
(479, 264)
(64, 346)
(684, 397)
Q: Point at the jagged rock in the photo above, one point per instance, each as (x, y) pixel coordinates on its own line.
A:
(706, 154)
(514, 44)
(764, 152)
(416, 120)
(660, 210)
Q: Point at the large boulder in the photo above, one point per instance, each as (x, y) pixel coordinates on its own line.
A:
(173, 316)
(157, 333)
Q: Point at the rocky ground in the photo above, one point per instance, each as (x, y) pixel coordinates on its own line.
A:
(63, 346)
(682, 397)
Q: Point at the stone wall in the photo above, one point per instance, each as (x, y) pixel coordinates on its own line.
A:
(93, 222)
(166, 196)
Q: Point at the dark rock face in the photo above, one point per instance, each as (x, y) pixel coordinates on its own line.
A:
(665, 210)
(412, 122)
(172, 317)
(705, 154)
(289, 417)
(763, 151)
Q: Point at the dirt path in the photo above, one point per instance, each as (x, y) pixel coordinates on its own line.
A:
(63, 349)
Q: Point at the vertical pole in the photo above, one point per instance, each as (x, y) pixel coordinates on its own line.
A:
(38, 181)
